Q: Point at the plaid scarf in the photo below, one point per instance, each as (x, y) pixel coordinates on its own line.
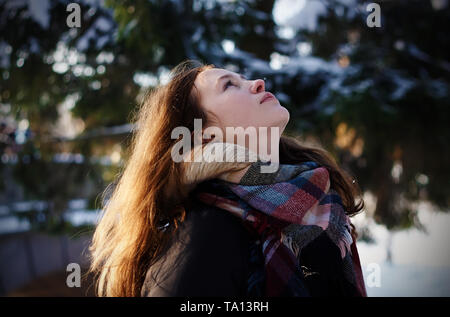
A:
(288, 209)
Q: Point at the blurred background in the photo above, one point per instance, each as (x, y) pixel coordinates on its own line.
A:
(377, 98)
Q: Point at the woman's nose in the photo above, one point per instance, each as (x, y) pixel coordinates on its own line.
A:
(257, 86)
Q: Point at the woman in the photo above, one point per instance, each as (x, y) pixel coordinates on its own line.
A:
(224, 227)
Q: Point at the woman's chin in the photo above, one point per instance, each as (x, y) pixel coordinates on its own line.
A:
(275, 104)
(279, 118)
(282, 113)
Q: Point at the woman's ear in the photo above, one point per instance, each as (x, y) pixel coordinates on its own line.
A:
(212, 133)
(207, 138)
(200, 138)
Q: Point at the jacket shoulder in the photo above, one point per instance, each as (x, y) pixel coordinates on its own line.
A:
(207, 256)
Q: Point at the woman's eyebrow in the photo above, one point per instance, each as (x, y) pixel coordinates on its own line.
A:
(227, 76)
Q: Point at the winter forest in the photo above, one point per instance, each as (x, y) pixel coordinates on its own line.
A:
(375, 97)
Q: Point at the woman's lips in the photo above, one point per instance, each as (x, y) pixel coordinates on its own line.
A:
(267, 96)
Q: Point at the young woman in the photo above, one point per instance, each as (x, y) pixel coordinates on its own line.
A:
(224, 227)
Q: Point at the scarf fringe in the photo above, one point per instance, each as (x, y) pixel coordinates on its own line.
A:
(290, 244)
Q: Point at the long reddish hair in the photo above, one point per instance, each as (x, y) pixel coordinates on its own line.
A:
(127, 241)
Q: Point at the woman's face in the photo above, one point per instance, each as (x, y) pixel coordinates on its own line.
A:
(230, 100)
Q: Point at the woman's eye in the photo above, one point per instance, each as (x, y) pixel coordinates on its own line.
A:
(227, 84)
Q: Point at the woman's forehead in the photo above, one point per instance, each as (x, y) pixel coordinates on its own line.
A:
(207, 79)
(210, 74)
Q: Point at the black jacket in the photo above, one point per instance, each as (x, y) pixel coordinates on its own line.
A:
(207, 257)
(213, 254)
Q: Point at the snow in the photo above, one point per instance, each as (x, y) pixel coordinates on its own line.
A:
(39, 11)
(298, 14)
(304, 14)
(285, 32)
(410, 280)
(82, 217)
(12, 224)
(5, 51)
(145, 79)
(286, 9)
(228, 46)
(403, 86)
(99, 34)
(310, 64)
(420, 261)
